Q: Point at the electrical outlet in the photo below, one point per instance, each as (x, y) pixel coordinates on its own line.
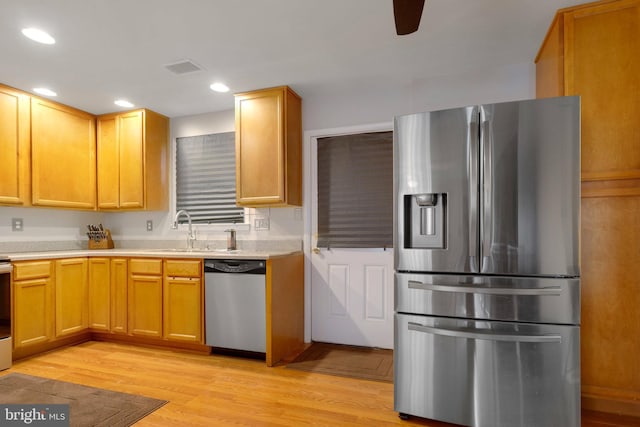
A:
(297, 214)
(149, 225)
(261, 224)
(17, 224)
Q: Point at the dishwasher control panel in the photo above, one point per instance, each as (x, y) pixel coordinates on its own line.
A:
(234, 266)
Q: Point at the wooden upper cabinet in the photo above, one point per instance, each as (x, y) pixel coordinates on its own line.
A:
(15, 140)
(269, 148)
(63, 156)
(133, 160)
(593, 50)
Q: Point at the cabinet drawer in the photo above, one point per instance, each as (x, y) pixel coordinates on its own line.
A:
(31, 270)
(183, 268)
(145, 266)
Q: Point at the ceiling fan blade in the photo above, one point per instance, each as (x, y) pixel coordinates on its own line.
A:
(407, 14)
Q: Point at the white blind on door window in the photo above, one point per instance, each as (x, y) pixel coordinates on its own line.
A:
(355, 191)
(206, 178)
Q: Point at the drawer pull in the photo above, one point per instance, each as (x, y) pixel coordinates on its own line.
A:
(552, 290)
(484, 335)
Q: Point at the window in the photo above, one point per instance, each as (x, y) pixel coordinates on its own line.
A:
(206, 178)
(355, 191)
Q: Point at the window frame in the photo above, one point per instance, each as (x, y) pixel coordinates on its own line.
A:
(183, 226)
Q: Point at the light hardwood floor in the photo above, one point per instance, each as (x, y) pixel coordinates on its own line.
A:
(218, 390)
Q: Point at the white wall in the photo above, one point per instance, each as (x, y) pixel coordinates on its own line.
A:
(324, 109)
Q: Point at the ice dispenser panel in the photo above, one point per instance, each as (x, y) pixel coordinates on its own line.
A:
(425, 220)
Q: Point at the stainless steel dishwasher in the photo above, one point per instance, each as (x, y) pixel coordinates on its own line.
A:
(235, 304)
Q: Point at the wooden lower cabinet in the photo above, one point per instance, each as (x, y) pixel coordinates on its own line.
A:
(99, 294)
(182, 308)
(71, 290)
(119, 295)
(145, 297)
(32, 303)
(144, 300)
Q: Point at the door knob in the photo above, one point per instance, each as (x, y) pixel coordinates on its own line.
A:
(316, 250)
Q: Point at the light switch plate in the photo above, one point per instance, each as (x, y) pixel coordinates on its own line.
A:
(17, 224)
(261, 224)
(149, 225)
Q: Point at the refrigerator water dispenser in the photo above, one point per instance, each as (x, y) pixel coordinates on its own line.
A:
(425, 220)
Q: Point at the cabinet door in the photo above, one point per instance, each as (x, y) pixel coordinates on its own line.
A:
(72, 314)
(259, 148)
(33, 312)
(145, 305)
(108, 169)
(99, 293)
(15, 139)
(130, 135)
(63, 156)
(268, 148)
(182, 309)
(604, 71)
(119, 293)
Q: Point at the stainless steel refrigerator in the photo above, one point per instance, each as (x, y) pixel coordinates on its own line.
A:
(487, 280)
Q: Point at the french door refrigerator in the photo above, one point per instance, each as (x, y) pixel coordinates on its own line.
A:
(487, 275)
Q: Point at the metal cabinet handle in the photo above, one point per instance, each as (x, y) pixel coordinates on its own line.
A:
(551, 290)
(485, 335)
(486, 142)
(472, 171)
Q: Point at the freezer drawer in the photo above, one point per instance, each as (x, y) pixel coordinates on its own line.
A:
(487, 374)
(521, 299)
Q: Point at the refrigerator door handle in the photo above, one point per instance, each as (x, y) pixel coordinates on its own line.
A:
(486, 232)
(484, 335)
(551, 290)
(472, 177)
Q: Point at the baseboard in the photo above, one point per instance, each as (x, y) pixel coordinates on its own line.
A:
(150, 342)
(32, 350)
(611, 401)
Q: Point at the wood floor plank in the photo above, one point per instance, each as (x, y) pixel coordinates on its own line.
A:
(206, 390)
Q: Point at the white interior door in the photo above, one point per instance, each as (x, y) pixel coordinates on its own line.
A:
(351, 289)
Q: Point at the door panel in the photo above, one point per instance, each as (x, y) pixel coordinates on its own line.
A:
(352, 297)
(531, 170)
(436, 153)
(487, 374)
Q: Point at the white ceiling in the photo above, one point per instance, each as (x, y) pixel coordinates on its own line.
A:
(108, 49)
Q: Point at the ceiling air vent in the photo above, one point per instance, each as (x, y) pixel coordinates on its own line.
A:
(183, 67)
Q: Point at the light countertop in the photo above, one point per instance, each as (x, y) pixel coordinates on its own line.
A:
(150, 253)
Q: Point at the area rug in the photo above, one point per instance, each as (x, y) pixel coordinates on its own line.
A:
(346, 361)
(88, 406)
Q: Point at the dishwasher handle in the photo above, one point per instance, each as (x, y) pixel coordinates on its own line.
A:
(235, 266)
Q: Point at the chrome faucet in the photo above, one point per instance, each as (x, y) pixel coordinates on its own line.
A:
(231, 239)
(191, 236)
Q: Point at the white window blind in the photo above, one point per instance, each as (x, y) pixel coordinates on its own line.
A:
(355, 191)
(206, 178)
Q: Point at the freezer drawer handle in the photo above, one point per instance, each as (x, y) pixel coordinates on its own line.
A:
(490, 336)
(552, 290)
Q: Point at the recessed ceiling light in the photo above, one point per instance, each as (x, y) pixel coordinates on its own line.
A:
(123, 103)
(44, 91)
(219, 87)
(38, 35)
